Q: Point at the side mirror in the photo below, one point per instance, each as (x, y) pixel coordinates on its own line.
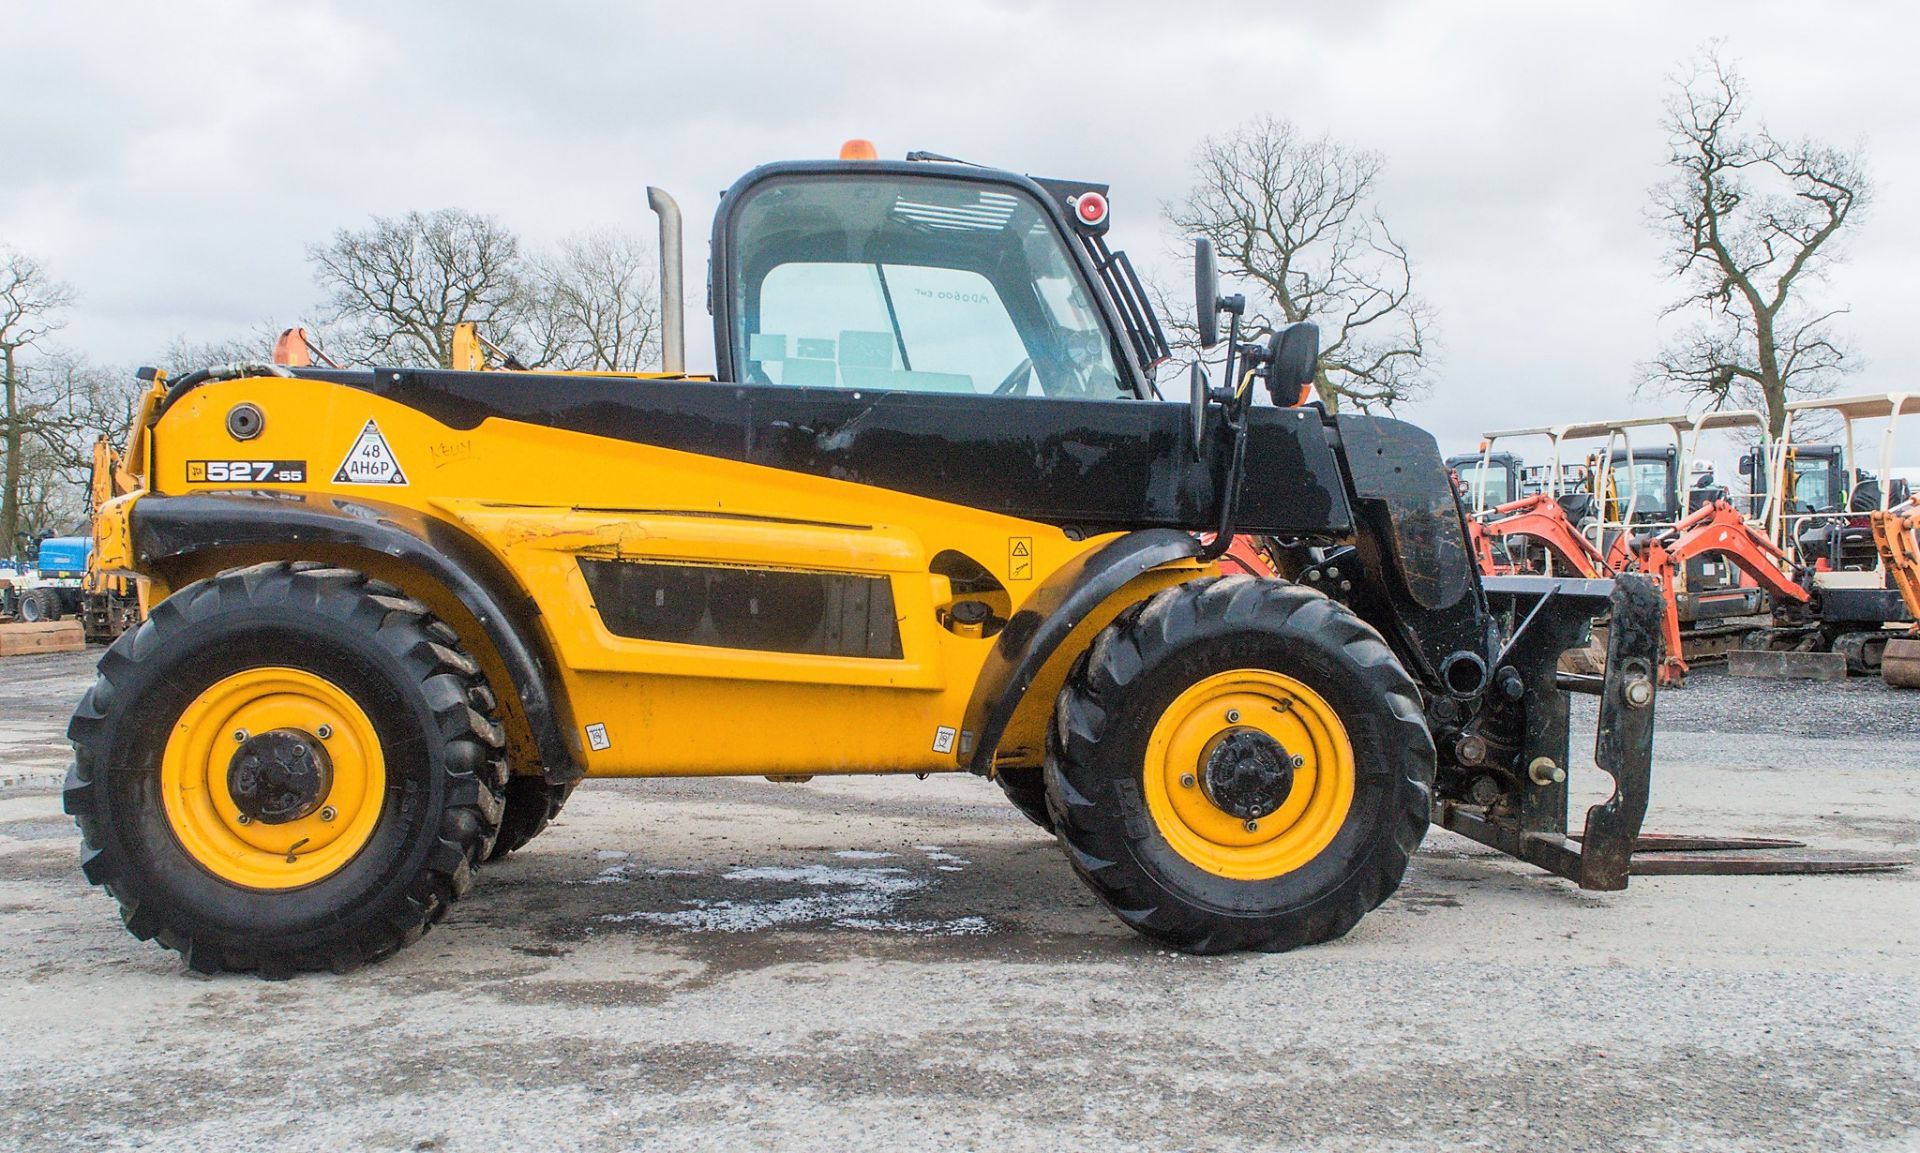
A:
(1293, 360)
(1206, 292)
(1197, 392)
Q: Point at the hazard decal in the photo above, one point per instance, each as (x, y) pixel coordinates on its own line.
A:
(1020, 558)
(370, 461)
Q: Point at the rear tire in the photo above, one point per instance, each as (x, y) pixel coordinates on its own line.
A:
(411, 796)
(531, 805)
(1027, 789)
(1312, 679)
(38, 606)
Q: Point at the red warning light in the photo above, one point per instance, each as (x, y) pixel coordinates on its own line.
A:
(1091, 208)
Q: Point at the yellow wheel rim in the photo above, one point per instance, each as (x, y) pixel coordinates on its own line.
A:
(272, 854)
(1309, 813)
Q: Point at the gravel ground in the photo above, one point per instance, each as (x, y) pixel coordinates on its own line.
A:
(895, 964)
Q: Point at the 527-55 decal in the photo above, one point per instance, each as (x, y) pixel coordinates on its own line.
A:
(247, 471)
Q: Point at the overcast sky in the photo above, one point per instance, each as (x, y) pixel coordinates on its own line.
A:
(172, 160)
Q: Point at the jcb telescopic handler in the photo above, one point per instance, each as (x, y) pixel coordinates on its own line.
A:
(930, 517)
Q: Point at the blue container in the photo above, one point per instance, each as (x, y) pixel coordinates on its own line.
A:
(64, 556)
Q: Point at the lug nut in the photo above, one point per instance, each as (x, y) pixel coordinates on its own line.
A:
(324, 732)
(239, 736)
(1233, 716)
(1253, 826)
(244, 819)
(328, 813)
(1186, 780)
(1298, 760)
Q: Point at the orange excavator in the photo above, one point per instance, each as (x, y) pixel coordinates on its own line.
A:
(1715, 529)
(1896, 534)
(1544, 523)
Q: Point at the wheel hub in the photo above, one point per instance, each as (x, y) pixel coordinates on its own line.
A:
(1246, 773)
(279, 776)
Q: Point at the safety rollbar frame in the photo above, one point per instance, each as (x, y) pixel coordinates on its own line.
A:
(1130, 298)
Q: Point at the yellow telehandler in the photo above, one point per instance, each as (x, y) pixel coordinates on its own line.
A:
(930, 517)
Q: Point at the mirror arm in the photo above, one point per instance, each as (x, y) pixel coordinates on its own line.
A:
(1233, 305)
(1233, 406)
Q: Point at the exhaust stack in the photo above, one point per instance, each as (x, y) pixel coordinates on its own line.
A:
(673, 299)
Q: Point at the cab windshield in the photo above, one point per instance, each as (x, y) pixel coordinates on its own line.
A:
(1648, 484)
(1811, 487)
(912, 283)
(1486, 483)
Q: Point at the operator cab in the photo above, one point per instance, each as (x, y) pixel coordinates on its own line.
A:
(1648, 482)
(926, 276)
(1490, 479)
(1816, 479)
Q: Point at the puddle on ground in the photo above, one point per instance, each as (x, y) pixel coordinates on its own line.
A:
(858, 896)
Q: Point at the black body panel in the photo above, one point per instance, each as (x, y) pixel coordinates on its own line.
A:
(1091, 464)
(1860, 606)
(1423, 590)
(1399, 465)
(168, 528)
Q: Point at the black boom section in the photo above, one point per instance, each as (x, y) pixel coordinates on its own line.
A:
(171, 528)
(1091, 464)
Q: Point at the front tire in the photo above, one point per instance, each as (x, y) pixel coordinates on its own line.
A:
(1240, 763)
(283, 769)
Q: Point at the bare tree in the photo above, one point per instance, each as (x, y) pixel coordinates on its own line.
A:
(31, 304)
(81, 402)
(182, 355)
(1750, 219)
(398, 288)
(592, 304)
(1294, 222)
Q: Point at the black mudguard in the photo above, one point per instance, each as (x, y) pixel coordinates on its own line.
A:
(168, 529)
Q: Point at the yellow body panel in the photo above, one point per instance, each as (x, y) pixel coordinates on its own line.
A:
(541, 499)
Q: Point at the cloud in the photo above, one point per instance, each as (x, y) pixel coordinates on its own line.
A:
(172, 161)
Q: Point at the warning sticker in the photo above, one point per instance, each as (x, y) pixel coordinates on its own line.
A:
(1020, 558)
(943, 739)
(370, 461)
(597, 738)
